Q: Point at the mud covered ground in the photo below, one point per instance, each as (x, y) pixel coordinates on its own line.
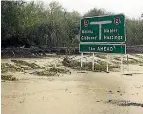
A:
(77, 92)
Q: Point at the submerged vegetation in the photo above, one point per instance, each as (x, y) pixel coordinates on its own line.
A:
(100, 66)
(62, 67)
(8, 77)
(6, 67)
(24, 63)
(18, 66)
(52, 72)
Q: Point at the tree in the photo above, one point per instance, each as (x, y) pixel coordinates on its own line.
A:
(96, 12)
(33, 24)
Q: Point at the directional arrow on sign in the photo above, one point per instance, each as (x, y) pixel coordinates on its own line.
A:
(100, 23)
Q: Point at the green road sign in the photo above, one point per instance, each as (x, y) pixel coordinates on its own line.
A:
(103, 29)
(103, 48)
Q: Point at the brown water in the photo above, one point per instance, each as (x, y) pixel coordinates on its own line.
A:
(78, 93)
(75, 93)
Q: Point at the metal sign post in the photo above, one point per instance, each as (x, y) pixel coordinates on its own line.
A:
(81, 60)
(127, 63)
(107, 67)
(121, 64)
(93, 63)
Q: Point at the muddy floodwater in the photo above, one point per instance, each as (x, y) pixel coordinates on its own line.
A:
(81, 92)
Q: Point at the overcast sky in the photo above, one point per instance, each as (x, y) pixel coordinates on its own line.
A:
(131, 8)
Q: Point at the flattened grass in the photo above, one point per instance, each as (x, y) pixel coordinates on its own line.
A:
(8, 77)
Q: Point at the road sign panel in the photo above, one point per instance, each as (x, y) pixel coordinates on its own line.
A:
(109, 28)
(103, 48)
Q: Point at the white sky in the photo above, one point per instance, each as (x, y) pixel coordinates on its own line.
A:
(131, 8)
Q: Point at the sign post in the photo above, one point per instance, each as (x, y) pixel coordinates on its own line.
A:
(127, 63)
(81, 60)
(121, 64)
(107, 69)
(93, 63)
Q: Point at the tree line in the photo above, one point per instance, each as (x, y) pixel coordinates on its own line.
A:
(34, 24)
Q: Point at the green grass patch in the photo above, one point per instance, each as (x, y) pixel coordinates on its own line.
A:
(101, 56)
(53, 65)
(45, 73)
(52, 72)
(59, 70)
(53, 55)
(8, 77)
(118, 58)
(101, 66)
(24, 63)
(132, 61)
(139, 56)
(6, 67)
